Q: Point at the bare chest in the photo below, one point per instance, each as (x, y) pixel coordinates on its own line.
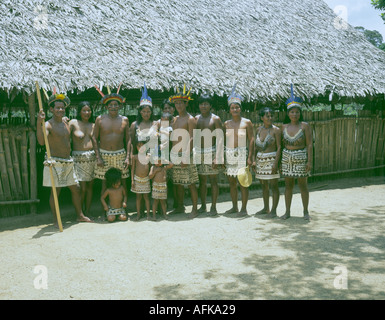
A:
(205, 123)
(116, 126)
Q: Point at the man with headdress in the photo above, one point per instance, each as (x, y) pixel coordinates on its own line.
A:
(208, 151)
(238, 132)
(184, 172)
(59, 135)
(111, 139)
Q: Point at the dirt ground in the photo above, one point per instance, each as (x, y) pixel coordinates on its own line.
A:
(340, 254)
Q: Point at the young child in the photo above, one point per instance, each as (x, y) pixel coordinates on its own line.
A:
(158, 174)
(165, 130)
(140, 181)
(116, 194)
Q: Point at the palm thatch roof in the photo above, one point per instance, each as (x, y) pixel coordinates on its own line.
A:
(209, 44)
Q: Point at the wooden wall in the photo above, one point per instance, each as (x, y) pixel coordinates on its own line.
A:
(341, 144)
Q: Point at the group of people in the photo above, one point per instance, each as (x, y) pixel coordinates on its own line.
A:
(171, 153)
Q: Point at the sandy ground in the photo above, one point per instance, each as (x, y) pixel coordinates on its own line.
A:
(338, 255)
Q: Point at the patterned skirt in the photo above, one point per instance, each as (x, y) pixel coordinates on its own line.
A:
(115, 212)
(203, 158)
(265, 162)
(236, 158)
(112, 159)
(141, 185)
(63, 173)
(159, 190)
(84, 162)
(183, 175)
(293, 163)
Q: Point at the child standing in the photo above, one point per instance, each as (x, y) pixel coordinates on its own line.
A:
(158, 173)
(165, 130)
(140, 181)
(116, 194)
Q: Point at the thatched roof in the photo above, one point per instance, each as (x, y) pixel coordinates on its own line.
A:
(209, 44)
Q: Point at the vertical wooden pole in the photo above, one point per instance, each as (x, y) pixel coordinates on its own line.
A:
(4, 177)
(24, 164)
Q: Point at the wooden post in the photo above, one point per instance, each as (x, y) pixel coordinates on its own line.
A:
(49, 158)
(24, 164)
(4, 174)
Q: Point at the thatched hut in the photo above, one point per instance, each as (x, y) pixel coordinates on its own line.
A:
(263, 45)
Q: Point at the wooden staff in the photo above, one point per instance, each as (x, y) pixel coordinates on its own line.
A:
(49, 158)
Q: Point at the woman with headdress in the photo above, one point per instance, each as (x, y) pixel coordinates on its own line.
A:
(239, 136)
(144, 129)
(83, 152)
(297, 154)
(268, 148)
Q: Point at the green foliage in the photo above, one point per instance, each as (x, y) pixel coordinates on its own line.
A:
(349, 109)
(379, 5)
(373, 36)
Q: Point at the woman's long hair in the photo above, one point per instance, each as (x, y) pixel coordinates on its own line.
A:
(139, 118)
(287, 119)
(263, 111)
(79, 110)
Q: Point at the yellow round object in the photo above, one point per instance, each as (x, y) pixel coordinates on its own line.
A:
(245, 177)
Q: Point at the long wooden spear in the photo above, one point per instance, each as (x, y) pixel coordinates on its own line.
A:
(57, 210)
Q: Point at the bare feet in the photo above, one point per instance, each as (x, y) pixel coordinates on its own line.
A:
(286, 216)
(83, 218)
(111, 218)
(232, 210)
(178, 210)
(242, 213)
(213, 212)
(263, 211)
(122, 217)
(193, 214)
(272, 214)
(202, 209)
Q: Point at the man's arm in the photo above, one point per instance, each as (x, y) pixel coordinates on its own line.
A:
(250, 137)
(130, 148)
(219, 140)
(39, 128)
(192, 124)
(94, 139)
(278, 138)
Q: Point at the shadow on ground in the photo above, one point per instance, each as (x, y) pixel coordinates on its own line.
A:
(301, 263)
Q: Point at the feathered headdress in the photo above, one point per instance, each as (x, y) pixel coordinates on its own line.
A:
(145, 100)
(293, 101)
(181, 95)
(58, 97)
(234, 97)
(106, 98)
